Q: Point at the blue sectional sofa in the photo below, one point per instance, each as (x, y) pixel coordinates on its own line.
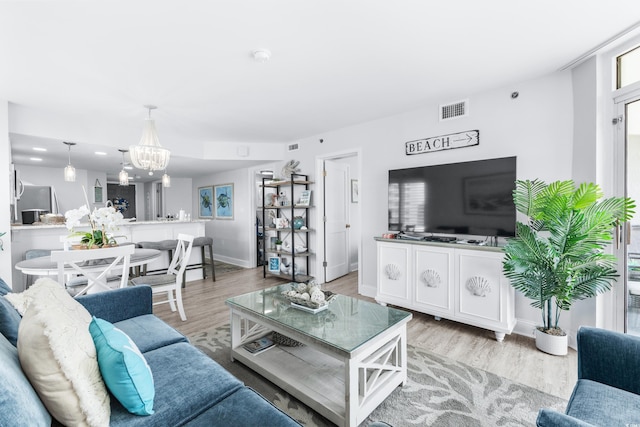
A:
(190, 388)
(608, 389)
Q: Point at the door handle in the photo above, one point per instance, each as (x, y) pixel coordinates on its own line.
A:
(347, 226)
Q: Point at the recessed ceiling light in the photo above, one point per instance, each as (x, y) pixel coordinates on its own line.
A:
(35, 159)
(100, 153)
(39, 149)
(128, 168)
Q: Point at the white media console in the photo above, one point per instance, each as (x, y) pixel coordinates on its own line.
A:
(458, 282)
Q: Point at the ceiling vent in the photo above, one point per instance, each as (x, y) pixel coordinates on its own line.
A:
(454, 110)
(293, 147)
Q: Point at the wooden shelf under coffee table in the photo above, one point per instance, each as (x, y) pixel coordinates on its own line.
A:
(354, 353)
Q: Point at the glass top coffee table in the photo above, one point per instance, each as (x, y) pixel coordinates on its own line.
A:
(354, 354)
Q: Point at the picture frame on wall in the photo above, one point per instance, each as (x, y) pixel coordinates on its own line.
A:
(98, 196)
(223, 201)
(205, 202)
(355, 192)
(274, 264)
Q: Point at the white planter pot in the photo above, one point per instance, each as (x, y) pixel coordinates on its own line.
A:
(552, 344)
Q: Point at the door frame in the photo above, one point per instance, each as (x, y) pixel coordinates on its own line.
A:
(319, 205)
(629, 95)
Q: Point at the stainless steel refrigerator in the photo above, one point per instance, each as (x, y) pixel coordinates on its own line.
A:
(37, 198)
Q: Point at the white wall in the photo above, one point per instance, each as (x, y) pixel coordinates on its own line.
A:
(6, 266)
(536, 127)
(231, 238)
(179, 196)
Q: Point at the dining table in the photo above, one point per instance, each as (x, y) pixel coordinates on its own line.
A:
(44, 266)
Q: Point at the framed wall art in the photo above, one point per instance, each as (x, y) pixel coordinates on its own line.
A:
(205, 202)
(223, 201)
(274, 264)
(355, 196)
(98, 196)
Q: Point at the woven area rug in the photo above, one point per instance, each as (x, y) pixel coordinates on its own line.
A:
(439, 392)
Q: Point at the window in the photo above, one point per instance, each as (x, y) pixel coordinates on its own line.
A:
(628, 68)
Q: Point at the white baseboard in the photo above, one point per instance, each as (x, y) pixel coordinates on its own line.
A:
(234, 261)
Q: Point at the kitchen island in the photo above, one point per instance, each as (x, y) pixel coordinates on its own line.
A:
(48, 236)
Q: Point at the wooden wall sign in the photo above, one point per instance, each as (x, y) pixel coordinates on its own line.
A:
(443, 142)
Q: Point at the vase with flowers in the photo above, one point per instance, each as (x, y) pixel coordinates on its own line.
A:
(103, 222)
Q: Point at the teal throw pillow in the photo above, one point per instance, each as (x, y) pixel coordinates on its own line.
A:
(124, 369)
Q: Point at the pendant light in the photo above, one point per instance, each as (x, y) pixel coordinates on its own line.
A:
(166, 179)
(69, 171)
(149, 154)
(123, 176)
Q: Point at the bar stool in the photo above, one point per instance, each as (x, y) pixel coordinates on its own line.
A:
(34, 253)
(203, 242)
(162, 245)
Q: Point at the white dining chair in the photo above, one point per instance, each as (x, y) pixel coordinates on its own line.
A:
(95, 265)
(171, 282)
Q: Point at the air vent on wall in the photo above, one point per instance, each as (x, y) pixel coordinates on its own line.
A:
(454, 110)
(293, 147)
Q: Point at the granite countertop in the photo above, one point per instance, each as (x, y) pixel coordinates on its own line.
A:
(39, 225)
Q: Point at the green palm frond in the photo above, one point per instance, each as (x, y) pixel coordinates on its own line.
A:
(558, 255)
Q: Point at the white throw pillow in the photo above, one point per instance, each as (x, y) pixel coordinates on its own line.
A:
(58, 356)
(20, 301)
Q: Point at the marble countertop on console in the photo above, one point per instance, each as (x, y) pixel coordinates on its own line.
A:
(457, 245)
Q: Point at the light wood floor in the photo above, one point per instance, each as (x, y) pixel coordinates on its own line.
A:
(515, 358)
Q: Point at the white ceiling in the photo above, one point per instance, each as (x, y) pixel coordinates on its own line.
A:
(334, 63)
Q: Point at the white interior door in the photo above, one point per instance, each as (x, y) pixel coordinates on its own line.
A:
(336, 220)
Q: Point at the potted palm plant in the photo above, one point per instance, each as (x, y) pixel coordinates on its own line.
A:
(558, 256)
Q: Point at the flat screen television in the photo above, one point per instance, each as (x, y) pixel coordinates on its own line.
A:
(473, 198)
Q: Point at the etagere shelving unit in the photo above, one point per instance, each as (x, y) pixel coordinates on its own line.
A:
(293, 235)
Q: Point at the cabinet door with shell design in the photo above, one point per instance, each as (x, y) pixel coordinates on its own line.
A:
(433, 275)
(481, 285)
(393, 273)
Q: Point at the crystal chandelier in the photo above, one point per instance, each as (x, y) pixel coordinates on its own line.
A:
(123, 176)
(69, 171)
(148, 154)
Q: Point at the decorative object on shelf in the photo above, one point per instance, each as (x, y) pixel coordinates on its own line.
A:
(478, 286)
(392, 271)
(274, 264)
(355, 192)
(1, 242)
(224, 201)
(431, 278)
(298, 222)
(278, 244)
(123, 176)
(287, 267)
(270, 200)
(558, 256)
(69, 171)
(305, 198)
(103, 222)
(289, 168)
(283, 200)
(205, 205)
(282, 223)
(149, 154)
(97, 192)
